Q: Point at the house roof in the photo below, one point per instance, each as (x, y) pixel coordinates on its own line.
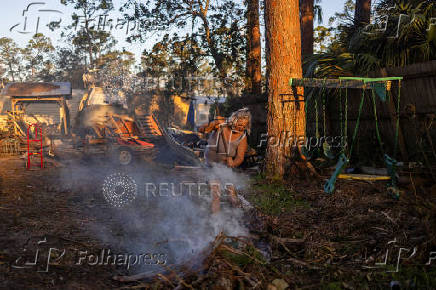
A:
(29, 89)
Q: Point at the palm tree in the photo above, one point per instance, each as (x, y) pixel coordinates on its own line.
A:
(357, 51)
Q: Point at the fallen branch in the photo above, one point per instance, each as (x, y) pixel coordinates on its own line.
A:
(296, 261)
(302, 263)
(246, 276)
(166, 279)
(287, 240)
(181, 281)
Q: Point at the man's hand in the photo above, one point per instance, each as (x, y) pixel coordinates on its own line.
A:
(201, 129)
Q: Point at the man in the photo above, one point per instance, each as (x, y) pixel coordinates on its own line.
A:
(227, 145)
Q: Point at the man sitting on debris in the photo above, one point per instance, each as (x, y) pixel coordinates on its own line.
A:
(227, 145)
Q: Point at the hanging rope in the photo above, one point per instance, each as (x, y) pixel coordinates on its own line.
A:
(377, 130)
(356, 128)
(316, 120)
(343, 160)
(340, 110)
(323, 112)
(346, 116)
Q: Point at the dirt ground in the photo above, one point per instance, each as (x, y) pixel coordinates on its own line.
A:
(34, 209)
(300, 237)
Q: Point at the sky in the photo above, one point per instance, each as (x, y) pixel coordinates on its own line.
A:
(14, 25)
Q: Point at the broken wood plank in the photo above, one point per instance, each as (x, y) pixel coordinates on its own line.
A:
(365, 177)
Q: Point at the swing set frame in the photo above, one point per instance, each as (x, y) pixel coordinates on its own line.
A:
(378, 86)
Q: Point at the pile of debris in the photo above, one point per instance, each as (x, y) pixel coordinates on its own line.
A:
(12, 135)
(230, 262)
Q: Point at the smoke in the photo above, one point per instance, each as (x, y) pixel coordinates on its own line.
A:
(170, 216)
(97, 114)
(226, 175)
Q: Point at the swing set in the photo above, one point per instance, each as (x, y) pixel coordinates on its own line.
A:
(379, 87)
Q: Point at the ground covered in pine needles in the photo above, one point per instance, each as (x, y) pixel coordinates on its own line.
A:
(300, 237)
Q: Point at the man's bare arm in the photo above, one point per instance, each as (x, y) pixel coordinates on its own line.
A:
(207, 128)
(240, 154)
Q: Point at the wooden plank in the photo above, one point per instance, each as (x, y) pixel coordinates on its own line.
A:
(414, 70)
(342, 83)
(328, 83)
(365, 177)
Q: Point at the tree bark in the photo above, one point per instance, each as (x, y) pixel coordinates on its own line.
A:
(362, 12)
(11, 71)
(254, 52)
(286, 120)
(307, 15)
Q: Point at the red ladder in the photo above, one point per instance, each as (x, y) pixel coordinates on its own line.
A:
(37, 129)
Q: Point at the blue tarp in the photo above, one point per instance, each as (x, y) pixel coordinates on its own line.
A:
(190, 119)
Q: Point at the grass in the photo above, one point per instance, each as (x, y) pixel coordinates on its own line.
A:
(273, 198)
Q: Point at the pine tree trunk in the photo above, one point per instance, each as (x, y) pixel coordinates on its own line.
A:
(307, 16)
(286, 121)
(362, 13)
(91, 60)
(254, 53)
(11, 71)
